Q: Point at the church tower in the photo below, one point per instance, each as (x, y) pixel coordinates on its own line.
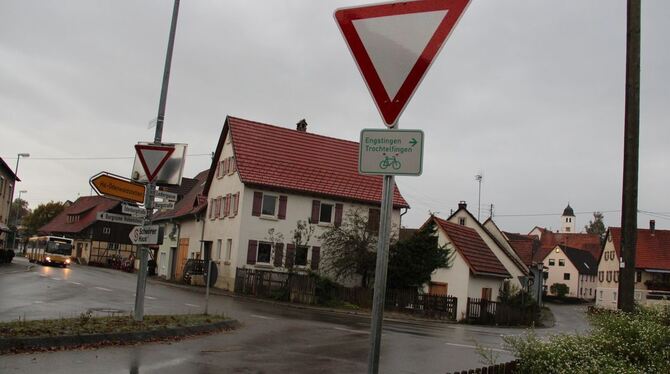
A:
(568, 220)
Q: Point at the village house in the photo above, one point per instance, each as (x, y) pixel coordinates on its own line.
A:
(267, 180)
(183, 227)
(95, 242)
(7, 182)
(575, 268)
(652, 267)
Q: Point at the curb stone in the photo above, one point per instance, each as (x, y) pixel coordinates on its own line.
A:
(8, 345)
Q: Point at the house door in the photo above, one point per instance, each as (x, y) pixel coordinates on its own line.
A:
(486, 293)
(173, 263)
(207, 250)
(182, 256)
(438, 289)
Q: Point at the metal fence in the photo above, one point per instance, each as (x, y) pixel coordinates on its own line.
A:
(486, 312)
(506, 368)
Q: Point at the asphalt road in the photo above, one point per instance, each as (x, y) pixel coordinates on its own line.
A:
(272, 338)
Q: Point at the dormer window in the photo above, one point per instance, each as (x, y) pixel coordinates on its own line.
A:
(72, 218)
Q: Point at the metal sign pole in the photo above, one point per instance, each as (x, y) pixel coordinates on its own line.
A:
(151, 188)
(209, 272)
(380, 271)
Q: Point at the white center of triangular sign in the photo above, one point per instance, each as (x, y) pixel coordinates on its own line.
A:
(395, 43)
(153, 158)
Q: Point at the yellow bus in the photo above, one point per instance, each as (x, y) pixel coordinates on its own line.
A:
(49, 250)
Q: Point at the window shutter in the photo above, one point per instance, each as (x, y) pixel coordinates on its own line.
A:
(316, 256)
(316, 206)
(338, 214)
(218, 169)
(237, 203)
(251, 252)
(282, 207)
(218, 206)
(226, 165)
(233, 165)
(290, 255)
(258, 202)
(279, 254)
(212, 208)
(226, 207)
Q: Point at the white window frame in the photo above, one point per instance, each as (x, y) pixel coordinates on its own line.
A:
(332, 213)
(229, 248)
(276, 208)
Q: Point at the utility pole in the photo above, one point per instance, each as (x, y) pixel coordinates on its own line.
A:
(478, 178)
(151, 187)
(626, 301)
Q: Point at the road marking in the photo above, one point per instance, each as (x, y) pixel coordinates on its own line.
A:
(56, 279)
(77, 283)
(150, 297)
(193, 305)
(103, 289)
(261, 317)
(43, 275)
(38, 302)
(351, 330)
(475, 347)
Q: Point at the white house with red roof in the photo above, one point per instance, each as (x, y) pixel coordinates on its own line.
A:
(652, 267)
(266, 178)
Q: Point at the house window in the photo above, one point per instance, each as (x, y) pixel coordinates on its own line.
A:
(616, 277)
(264, 253)
(601, 276)
(590, 292)
(301, 256)
(233, 205)
(567, 229)
(601, 294)
(486, 293)
(229, 248)
(269, 205)
(326, 213)
(545, 275)
(552, 262)
(566, 276)
(373, 220)
(561, 262)
(609, 276)
(106, 230)
(219, 244)
(461, 221)
(638, 276)
(614, 296)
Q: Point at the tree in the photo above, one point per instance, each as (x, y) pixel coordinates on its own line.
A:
(349, 249)
(559, 289)
(596, 226)
(19, 210)
(413, 260)
(300, 237)
(41, 216)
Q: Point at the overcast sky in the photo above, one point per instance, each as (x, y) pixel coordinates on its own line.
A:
(529, 93)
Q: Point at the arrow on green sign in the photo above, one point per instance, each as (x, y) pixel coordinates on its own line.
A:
(413, 142)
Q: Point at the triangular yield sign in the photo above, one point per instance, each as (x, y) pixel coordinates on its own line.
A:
(394, 44)
(152, 158)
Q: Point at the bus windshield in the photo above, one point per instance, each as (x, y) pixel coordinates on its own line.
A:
(59, 248)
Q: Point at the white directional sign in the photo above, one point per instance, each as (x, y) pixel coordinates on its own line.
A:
(134, 211)
(164, 205)
(169, 196)
(144, 234)
(119, 218)
(391, 152)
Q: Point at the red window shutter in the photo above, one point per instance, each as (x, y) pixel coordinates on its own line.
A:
(279, 254)
(212, 208)
(251, 252)
(258, 202)
(338, 214)
(316, 207)
(290, 255)
(218, 206)
(234, 165)
(282, 207)
(226, 212)
(316, 256)
(237, 203)
(218, 169)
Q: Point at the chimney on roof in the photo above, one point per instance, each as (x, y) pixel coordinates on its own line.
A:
(462, 204)
(301, 126)
(652, 226)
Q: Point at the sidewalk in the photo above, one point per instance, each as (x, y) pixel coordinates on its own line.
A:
(18, 265)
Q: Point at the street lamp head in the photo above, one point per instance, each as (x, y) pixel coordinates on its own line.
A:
(24, 155)
(23, 191)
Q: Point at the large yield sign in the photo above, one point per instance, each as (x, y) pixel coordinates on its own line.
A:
(394, 44)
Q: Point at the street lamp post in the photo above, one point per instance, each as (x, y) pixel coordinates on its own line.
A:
(9, 214)
(16, 230)
(18, 157)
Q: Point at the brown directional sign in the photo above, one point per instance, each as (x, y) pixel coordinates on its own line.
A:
(117, 187)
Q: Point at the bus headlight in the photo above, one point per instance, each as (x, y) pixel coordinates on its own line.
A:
(67, 260)
(48, 259)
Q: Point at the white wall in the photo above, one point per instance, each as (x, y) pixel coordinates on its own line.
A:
(556, 272)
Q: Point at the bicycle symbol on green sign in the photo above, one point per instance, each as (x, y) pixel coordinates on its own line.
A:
(391, 161)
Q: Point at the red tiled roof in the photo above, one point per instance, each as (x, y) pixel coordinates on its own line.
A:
(87, 207)
(652, 250)
(9, 171)
(190, 203)
(586, 242)
(524, 246)
(473, 249)
(301, 162)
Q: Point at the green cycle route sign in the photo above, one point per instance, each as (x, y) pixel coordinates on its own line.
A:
(391, 152)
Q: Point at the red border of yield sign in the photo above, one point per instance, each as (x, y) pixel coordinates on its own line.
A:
(151, 174)
(391, 108)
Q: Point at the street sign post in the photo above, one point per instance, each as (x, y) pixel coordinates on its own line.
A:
(391, 152)
(117, 187)
(153, 157)
(134, 211)
(119, 218)
(393, 45)
(144, 234)
(167, 196)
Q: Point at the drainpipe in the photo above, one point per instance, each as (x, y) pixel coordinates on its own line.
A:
(402, 214)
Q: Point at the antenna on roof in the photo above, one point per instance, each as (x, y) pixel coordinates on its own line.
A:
(479, 178)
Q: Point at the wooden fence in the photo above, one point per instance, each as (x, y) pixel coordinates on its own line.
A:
(506, 368)
(486, 312)
(302, 288)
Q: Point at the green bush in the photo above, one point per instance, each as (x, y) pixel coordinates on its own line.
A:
(559, 289)
(618, 343)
